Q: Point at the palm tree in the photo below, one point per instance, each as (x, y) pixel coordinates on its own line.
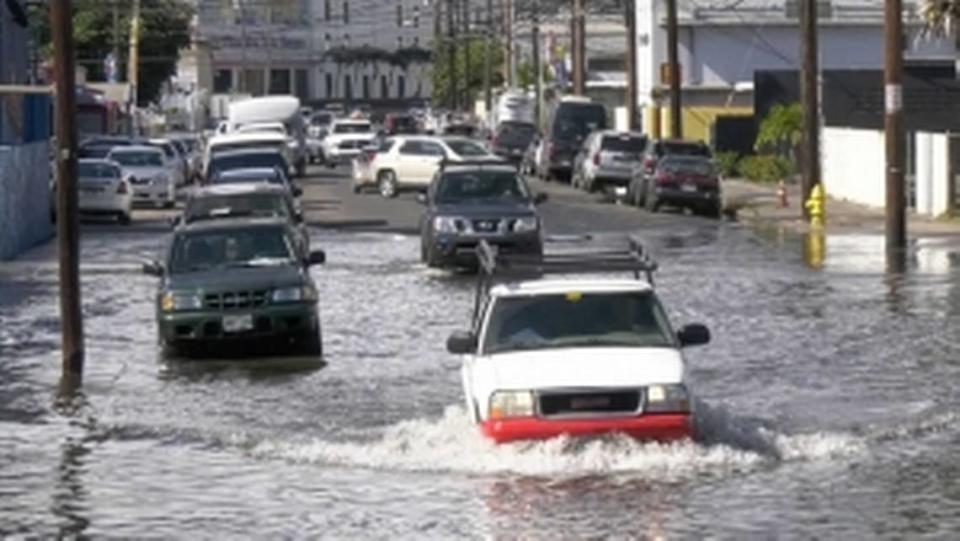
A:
(940, 17)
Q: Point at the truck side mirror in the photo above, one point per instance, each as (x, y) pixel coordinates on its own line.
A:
(152, 268)
(462, 343)
(693, 335)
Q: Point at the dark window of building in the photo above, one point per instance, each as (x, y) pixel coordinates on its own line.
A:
(280, 81)
(401, 86)
(366, 87)
(326, 10)
(399, 15)
(223, 81)
(346, 13)
(301, 84)
(329, 85)
(384, 87)
(348, 87)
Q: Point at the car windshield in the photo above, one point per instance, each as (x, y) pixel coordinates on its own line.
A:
(695, 167)
(246, 145)
(685, 149)
(247, 161)
(95, 151)
(97, 170)
(624, 143)
(167, 149)
(632, 319)
(577, 121)
(467, 148)
(237, 204)
(234, 248)
(352, 128)
(516, 134)
(480, 186)
(138, 159)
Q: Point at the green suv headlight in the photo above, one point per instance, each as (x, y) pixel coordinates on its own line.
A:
(175, 302)
(294, 294)
(445, 224)
(526, 224)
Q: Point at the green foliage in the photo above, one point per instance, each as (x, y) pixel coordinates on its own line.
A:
(526, 77)
(474, 78)
(728, 163)
(781, 130)
(165, 30)
(765, 168)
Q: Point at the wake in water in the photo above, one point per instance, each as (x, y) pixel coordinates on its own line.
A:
(453, 444)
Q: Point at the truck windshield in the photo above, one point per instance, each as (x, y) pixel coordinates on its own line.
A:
(480, 186)
(632, 319)
(235, 248)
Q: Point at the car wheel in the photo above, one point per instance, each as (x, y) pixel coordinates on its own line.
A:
(124, 218)
(312, 343)
(430, 257)
(357, 188)
(169, 204)
(387, 184)
(713, 210)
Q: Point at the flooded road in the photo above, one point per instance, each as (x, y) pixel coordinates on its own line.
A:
(828, 402)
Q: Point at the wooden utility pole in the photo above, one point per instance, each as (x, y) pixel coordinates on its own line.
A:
(68, 222)
(133, 63)
(467, 61)
(810, 99)
(579, 48)
(673, 66)
(452, 53)
(488, 63)
(896, 222)
(630, 16)
(537, 68)
(509, 64)
(116, 34)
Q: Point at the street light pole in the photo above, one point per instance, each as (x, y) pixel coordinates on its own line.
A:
(810, 99)
(68, 223)
(676, 126)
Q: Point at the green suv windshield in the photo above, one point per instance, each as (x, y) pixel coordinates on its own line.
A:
(633, 319)
(480, 186)
(237, 205)
(234, 248)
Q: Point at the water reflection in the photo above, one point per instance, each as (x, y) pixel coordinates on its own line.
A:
(815, 249)
(70, 497)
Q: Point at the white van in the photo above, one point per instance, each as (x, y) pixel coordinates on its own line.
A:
(284, 109)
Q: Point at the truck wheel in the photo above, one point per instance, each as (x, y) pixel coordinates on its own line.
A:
(312, 343)
(124, 219)
(387, 184)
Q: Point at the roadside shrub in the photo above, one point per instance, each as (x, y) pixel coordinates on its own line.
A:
(765, 168)
(727, 162)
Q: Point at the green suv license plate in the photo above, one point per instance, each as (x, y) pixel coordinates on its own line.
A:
(234, 324)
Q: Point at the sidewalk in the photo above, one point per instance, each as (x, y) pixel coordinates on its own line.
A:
(758, 204)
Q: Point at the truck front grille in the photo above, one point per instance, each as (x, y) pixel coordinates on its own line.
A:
(231, 300)
(589, 402)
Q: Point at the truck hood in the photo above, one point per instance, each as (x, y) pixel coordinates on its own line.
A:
(583, 367)
(491, 210)
(252, 279)
(144, 172)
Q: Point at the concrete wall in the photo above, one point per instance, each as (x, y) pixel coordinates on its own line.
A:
(24, 198)
(933, 172)
(853, 165)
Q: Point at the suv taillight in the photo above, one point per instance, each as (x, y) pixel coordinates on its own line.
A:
(649, 165)
(663, 177)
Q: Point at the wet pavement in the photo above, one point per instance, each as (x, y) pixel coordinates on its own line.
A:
(828, 399)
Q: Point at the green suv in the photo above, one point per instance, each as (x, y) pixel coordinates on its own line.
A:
(237, 281)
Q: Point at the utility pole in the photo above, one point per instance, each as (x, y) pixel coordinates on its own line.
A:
(896, 226)
(68, 222)
(630, 16)
(673, 64)
(488, 63)
(452, 53)
(467, 62)
(537, 69)
(133, 64)
(509, 64)
(579, 48)
(116, 33)
(810, 99)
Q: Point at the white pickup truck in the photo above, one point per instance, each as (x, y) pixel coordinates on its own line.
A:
(345, 140)
(574, 356)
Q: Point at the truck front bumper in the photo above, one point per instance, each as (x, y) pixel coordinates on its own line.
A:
(655, 427)
(208, 327)
(454, 250)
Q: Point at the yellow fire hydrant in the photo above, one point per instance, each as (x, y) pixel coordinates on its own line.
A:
(816, 206)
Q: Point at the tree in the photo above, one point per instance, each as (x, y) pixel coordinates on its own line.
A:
(441, 69)
(940, 17)
(781, 130)
(165, 31)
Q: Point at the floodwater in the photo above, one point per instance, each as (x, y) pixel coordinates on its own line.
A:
(828, 405)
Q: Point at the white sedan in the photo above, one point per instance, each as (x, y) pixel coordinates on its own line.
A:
(103, 190)
(149, 177)
(410, 162)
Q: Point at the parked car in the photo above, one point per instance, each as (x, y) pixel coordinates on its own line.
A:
(193, 150)
(345, 140)
(236, 281)
(248, 141)
(247, 159)
(469, 202)
(400, 124)
(656, 150)
(282, 109)
(244, 200)
(682, 181)
(512, 139)
(461, 129)
(320, 120)
(410, 162)
(99, 146)
(256, 175)
(103, 190)
(608, 158)
(576, 357)
(175, 163)
(148, 173)
(571, 120)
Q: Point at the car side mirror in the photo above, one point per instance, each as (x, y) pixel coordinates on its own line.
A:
(422, 199)
(297, 191)
(462, 343)
(152, 268)
(540, 198)
(693, 335)
(317, 257)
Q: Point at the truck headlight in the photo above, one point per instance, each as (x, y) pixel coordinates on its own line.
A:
(294, 294)
(526, 224)
(175, 302)
(445, 224)
(509, 404)
(668, 399)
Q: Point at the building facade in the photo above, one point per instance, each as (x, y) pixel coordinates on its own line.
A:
(318, 50)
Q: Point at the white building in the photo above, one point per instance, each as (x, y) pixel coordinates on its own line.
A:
(315, 49)
(722, 44)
